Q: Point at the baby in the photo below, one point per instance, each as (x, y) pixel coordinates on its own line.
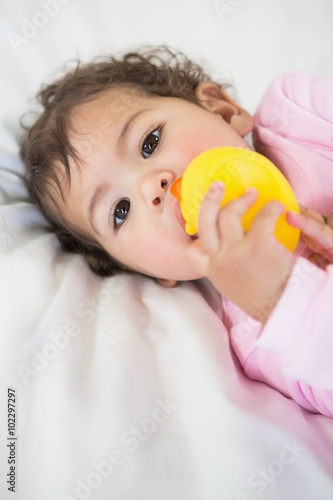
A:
(113, 136)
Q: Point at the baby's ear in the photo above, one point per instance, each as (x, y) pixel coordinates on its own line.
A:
(212, 97)
(166, 283)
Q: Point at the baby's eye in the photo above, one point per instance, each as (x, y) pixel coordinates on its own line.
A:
(120, 212)
(150, 143)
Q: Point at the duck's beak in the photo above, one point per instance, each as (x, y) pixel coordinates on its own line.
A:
(175, 189)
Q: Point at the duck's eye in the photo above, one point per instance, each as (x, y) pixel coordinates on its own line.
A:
(150, 143)
(121, 212)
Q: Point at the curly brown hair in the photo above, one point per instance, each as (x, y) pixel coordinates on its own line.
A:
(46, 148)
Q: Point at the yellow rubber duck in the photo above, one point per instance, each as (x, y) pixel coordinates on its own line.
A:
(238, 169)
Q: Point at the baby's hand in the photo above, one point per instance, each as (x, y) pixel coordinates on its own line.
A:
(250, 269)
(317, 231)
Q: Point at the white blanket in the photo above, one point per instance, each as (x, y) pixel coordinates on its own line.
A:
(125, 390)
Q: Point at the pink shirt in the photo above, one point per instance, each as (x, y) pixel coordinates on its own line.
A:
(293, 352)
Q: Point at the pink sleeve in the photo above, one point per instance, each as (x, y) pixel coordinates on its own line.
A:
(293, 126)
(293, 351)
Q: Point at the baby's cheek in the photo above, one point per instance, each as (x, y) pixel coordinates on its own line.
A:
(151, 249)
(158, 252)
(202, 140)
(196, 144)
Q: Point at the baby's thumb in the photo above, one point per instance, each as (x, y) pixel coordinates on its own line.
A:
(198, 259)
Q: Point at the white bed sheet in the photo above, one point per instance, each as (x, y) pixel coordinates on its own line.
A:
(121, 371)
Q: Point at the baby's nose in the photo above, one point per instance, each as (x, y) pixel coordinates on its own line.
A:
(155, 187)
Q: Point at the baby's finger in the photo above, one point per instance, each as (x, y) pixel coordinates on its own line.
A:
(325, 218)
(264, 223)
(318, 260)
(309, 213)
(230, 218)
(329, 220)
(208, 232)
(319, 232)
(304, 222)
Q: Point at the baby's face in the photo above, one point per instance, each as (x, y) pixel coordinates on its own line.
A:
(133, 147)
